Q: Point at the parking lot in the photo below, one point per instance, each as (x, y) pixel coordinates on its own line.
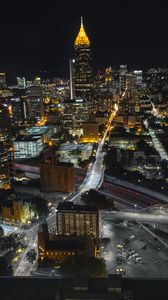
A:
(133, 252)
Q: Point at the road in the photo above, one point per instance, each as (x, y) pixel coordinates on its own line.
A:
(93, 180)
(157, 144)
(136, 216)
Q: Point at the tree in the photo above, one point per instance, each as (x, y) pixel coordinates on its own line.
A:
(94, 198)
(31, 255)
(141, 145)
(5, 267)
(97, 267)
(82, 266)
(40, 205)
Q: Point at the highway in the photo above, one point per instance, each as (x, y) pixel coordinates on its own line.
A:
(136, 216)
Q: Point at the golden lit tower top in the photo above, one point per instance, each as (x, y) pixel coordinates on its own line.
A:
(82, 38)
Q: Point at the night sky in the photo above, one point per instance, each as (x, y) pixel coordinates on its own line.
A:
(39, 36)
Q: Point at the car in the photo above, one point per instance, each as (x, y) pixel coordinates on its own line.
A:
(119, 260)
(120, 271)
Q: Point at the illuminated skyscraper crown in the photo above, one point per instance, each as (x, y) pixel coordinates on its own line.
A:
(82, 38)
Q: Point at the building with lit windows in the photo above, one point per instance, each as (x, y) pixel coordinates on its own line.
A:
(21, 82)
(6, 151)
(83, 74)
(18, 109)
(90, 132)
(28, 146)
(2, 80)
(13, 210)
(72, 219)
(71, 77)
(75, 113)
(59, 247)
(35, 107)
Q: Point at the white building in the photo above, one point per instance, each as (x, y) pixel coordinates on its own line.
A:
(28, 146)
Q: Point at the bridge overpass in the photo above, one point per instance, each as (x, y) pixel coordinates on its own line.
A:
(161, 218)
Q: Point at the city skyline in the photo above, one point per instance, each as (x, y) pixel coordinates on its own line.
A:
(83, 150)
(120, 34)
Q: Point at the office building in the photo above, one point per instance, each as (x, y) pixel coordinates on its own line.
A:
(21, 82)
(35, 110)
(139, 76)
(75, 113)
(18, 109)
(6, 151)
(83, 75)
(2, 80)
(59, 247)
(122, 78)
(57, 176)
(78, 220)
(44, 132)
(90, 132)
(27, 146)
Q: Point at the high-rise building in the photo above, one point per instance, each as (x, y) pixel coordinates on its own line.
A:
(122, 78)
(74, 219)
(21, 82)
(5, 147)
(2, 80)
(35, 102)
(83, 75)
(75, 113)
(71, 77)
(18, 109)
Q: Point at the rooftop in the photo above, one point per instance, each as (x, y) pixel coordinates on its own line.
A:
(82, 38)
(27, 138)
(67, 243)
(36, 288)
(37, 130)
(74, 207)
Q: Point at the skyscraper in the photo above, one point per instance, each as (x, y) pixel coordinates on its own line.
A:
(83, 75)
(35, 102)
(2, 80)
(5, 147)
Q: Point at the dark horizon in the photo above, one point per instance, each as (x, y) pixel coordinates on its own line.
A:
(40, 37)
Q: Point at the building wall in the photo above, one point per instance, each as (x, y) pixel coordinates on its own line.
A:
(78, 222)
(57, 178)
(90, 132)
(6, 150)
